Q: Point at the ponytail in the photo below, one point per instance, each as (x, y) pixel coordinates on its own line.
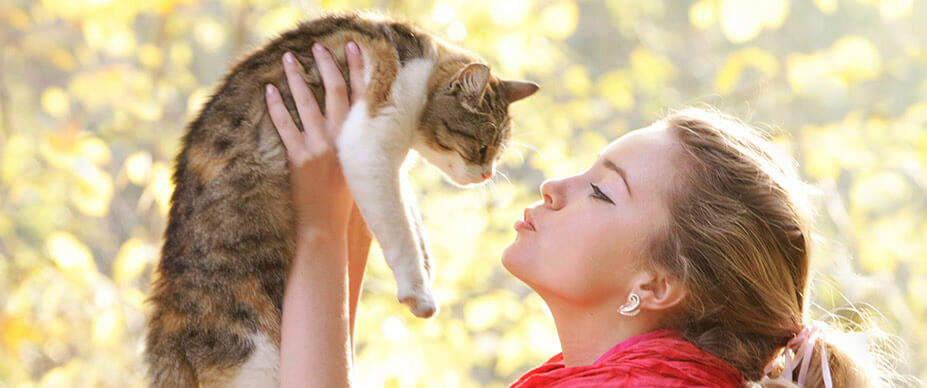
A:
(813, 359)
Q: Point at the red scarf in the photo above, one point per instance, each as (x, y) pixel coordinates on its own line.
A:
(656, 359)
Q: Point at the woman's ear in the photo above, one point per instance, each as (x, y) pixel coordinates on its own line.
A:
(660, 292)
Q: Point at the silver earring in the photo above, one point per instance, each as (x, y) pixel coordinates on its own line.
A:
(632, 307)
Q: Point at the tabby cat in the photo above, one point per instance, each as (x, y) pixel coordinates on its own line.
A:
(218, 287)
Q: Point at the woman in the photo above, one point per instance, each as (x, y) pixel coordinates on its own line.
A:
(679, 258)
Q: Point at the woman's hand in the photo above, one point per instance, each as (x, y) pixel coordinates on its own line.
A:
(321, 197)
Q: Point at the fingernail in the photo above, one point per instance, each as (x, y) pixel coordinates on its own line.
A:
(318, 48)
(353, 47)
(270, 88)
(288, 57)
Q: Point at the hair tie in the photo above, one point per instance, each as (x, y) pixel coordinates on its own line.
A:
(797, 353)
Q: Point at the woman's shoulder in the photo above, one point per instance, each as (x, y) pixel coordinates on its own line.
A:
(657, 358)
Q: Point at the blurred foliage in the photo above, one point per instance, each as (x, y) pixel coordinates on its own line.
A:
(94, 95)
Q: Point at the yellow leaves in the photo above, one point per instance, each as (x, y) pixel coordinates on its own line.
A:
(138, 167)
(510, 13)
(112, 85)
(742, 20)
(444, 13)
(181, 54)
(651, 71)
(894, 9)
(851, 59)
(55, 101)
(826, 6)
(81, 154)
(166, 6)
(485, 311)
(855, 58)
(133, 257)
(702, 14)
(71, 255)
(108, 328)
(16, 158)
(456, 31)
(576, 80)
(210, 34)
(111, 36)
(616, 88)
(278, 19)
(872, 191)
(94, 189)
(16, 331)
(738, 61)
(161, 186)
(559, 19)
(150, 56)
(836, 146)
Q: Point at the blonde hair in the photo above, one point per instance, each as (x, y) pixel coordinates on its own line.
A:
(739, 239)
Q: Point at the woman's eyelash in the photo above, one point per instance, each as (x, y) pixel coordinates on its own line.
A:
(596, 193)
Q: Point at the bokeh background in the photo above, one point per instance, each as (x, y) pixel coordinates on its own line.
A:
(95, 94)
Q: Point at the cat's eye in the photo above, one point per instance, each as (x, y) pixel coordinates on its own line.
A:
(483, 153)
(597, 193)
(442, 146)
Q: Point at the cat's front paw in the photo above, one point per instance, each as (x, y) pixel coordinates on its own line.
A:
(419, 300)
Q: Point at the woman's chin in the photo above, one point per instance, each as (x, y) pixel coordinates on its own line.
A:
(512, 259)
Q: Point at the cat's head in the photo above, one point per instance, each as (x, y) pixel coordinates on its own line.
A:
(465, 124)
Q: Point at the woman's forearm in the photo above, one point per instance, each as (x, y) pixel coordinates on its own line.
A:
(315, 348)
(358, 248)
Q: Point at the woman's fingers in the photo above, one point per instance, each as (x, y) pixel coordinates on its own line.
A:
(298, 147)
(306, 105)
(356, 71)
(336, 96)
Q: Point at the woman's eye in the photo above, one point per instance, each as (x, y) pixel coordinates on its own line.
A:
(596, 193)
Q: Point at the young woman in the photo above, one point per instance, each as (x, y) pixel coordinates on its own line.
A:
(679, 258)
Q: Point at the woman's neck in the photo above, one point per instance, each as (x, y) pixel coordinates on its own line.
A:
(587, 332)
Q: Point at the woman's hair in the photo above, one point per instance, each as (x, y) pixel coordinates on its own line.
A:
(739, 240)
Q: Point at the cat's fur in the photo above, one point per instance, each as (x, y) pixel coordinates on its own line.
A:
(218, 289)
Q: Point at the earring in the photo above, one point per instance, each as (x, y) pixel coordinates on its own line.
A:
(632, 307)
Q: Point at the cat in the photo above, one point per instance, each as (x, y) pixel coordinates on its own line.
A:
(218, 287)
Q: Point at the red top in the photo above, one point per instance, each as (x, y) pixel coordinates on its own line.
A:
(656, 359)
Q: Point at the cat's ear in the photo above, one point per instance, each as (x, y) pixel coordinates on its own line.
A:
(517, 90)
(470, 84)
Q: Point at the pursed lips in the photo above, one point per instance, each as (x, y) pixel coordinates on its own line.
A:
(527, 223)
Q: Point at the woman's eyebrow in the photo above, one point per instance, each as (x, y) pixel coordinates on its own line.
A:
(612, 166)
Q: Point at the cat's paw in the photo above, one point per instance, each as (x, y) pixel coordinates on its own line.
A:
(419, 300)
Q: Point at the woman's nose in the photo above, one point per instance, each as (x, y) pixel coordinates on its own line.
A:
(552, 191)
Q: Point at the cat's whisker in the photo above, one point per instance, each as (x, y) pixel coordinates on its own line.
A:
(502, 174)
(532, 148)
(506, 148)
(492, 187)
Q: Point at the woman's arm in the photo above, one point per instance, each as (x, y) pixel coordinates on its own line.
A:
(315, 348)
(358, 248)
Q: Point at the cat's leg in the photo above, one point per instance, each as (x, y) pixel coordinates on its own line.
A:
(419, 232)
(371, 151)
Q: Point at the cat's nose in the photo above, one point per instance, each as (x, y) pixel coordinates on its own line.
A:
(487, 175)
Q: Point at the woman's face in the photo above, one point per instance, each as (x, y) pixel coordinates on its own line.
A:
(586, 244)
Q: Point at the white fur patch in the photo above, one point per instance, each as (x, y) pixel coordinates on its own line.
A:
(262, 368)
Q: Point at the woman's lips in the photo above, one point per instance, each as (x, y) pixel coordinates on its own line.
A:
(525, 224)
